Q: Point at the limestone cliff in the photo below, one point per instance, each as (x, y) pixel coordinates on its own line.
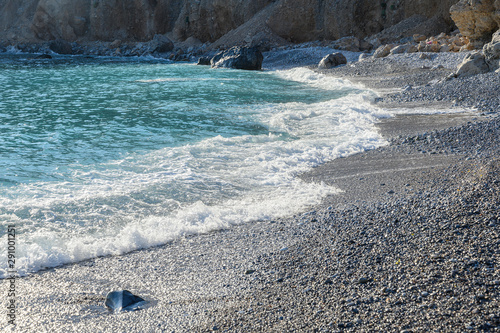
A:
(206, 20)
(477, 19)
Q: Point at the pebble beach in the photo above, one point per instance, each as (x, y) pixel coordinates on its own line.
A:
(410, 244)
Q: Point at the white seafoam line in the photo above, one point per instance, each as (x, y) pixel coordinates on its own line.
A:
(265, 166)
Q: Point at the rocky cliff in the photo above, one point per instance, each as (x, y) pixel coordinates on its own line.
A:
(206, 20)
(477, 19)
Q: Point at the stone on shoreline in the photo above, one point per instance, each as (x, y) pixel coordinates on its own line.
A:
(383, 51)
(160, 44)
(332, 60)
(419, 38)
(248, 58)
(406, 48)
(123, 300)
(473, 64)
(204, 61)
(492, 51)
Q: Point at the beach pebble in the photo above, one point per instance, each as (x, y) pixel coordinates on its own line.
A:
(123, 300)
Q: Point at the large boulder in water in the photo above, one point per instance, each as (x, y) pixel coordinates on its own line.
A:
(123, 300)
(249, 58)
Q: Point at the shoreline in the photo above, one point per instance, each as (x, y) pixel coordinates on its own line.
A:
(382, 256)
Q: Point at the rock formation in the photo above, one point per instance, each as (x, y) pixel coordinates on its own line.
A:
(332, 60)
(491, 52)
(207, 20)
(477, 19)
(473, 64)
(249, 58)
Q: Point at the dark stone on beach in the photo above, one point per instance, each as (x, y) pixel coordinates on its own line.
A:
(61, 46)
(332, 60)
(123, 300)
(204, 61)
(250, 271)
(249, 58)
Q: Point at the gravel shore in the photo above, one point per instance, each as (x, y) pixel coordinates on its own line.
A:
(412, 244)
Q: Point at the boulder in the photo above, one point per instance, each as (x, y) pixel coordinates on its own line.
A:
(492, 51)
(123, 300)
(205, 61)
(61, 46)
(332, 60)
(473, 64)
(419, 38)
(445, 48)
(383, 51)
(476, 19)
(249, 58)
(160, 44)
(406, 48)
(429, 47)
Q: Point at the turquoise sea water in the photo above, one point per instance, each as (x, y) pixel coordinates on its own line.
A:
(104, 156)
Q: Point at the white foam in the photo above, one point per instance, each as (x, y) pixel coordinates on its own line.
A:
(149, 199)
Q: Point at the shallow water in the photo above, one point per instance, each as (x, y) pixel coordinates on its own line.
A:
(107, 156)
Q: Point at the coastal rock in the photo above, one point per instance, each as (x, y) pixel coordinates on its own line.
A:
(419, 38)
(473, 64)
(249, 58)
(61, 46)
(204, 61)
(406, 48)
(383, 51)
(332, 60)
(431, 46)
(160, 44)
(123, 300)
(492, 51)
(476, 19)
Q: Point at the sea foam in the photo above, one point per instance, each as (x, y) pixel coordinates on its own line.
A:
(149, 198)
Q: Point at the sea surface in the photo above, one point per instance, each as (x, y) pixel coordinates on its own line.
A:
(105, 156)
